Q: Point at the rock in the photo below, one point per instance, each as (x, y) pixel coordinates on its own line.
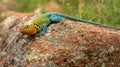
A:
(68, 44)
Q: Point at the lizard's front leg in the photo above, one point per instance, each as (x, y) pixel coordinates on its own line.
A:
(42, 30)
(56, 18)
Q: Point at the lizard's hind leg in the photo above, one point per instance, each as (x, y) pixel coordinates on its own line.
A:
(42, 30)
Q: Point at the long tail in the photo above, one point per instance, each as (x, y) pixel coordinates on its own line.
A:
(80, 20)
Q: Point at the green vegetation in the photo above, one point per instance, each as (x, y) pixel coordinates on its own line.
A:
(102, 11)
(26, 5)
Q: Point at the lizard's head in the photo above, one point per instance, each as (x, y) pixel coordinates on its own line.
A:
(28, 29)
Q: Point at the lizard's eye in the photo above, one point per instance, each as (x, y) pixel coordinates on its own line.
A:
(27, 26)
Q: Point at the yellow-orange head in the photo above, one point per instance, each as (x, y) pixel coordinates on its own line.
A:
(28, 29)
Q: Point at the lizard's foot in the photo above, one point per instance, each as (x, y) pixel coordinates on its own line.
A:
(42, 30)
(39, 34)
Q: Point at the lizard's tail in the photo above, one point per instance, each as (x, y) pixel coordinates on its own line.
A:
(84, 21)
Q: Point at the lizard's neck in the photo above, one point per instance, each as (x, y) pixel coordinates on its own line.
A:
(35, 25)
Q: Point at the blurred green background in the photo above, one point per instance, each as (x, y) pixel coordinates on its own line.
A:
(101, 11)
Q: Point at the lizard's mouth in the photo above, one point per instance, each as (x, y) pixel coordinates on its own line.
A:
(28, 29)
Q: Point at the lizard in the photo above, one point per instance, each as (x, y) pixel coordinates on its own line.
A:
(39, 25)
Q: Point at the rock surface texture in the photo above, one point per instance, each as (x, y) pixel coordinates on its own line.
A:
(68, 44)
